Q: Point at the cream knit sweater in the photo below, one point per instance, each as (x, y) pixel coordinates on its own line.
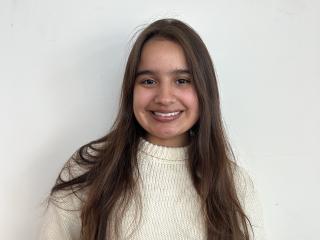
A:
(170, 205)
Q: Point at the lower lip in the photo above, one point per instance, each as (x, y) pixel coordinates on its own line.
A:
(165, 118)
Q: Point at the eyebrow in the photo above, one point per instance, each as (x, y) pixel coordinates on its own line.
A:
(174, 72)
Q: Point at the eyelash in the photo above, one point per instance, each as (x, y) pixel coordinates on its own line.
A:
(185, 81)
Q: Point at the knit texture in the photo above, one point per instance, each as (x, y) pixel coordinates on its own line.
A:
(170, 204)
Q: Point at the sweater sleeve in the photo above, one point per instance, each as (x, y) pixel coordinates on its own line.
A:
(61, 218)
(250, 200)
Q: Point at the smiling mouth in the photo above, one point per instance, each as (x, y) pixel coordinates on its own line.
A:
(165, 116)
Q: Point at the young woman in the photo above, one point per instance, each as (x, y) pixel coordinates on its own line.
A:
(165, 170)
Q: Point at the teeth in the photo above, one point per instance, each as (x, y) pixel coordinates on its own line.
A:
(166, 114)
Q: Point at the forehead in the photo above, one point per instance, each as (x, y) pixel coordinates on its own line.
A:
(162, 54)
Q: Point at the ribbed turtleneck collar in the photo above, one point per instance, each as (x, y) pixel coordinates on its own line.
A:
(163, 153)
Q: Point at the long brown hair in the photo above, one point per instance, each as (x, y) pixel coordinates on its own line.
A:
(111, 160)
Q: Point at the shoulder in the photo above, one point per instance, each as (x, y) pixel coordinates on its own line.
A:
(250, 201)
(73, 174)
(71, 196)
(243, 182)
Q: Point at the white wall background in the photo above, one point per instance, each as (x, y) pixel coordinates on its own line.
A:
(61, 65)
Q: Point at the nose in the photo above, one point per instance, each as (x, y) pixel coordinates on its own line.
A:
(165, 95)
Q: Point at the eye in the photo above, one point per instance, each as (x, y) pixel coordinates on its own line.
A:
(148, 82)
(183, 81)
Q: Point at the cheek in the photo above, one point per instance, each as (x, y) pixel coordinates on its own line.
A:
(190, 99)
(141, 98)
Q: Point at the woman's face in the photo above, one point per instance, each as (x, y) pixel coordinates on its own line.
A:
(165, 102)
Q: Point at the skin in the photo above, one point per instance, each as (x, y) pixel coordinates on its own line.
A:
(164, 84)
